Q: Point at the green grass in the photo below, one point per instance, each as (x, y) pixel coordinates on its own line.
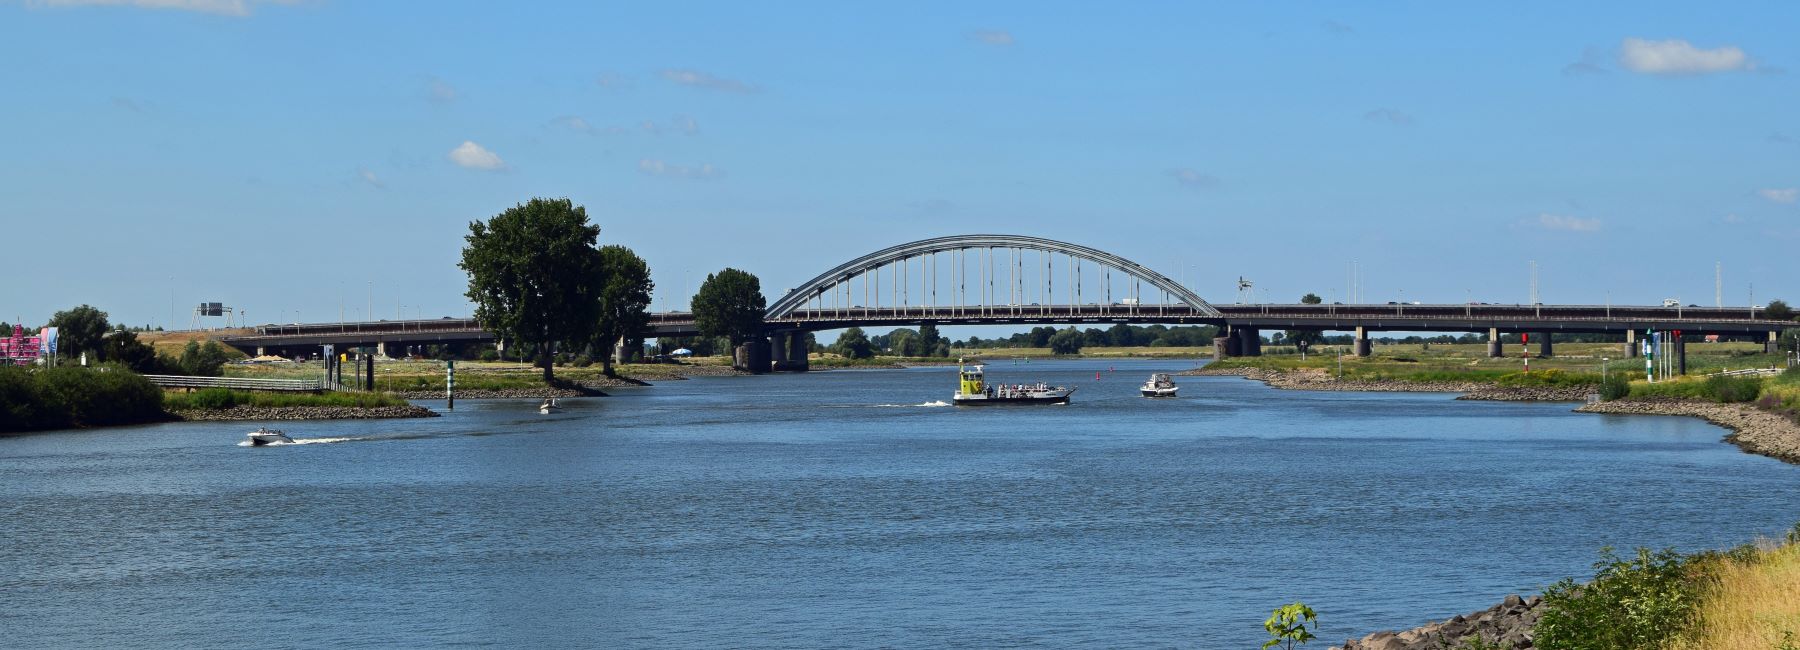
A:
(222, 398)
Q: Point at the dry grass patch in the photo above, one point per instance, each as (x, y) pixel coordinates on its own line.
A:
(1753, 605)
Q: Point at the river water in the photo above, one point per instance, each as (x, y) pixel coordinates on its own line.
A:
(831, 510)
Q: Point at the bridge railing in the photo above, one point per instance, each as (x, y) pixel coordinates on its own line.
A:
(237, 383)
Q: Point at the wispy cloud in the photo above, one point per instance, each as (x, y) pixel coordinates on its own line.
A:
(1732, 218)
(1194, 179)
(1573, 224)
(686, 125)
(1336, 27)
(612, 80)
(439, 91)
(998, 37)
(1592, 62)
(704, 171)
(474, 156)
(1392, 116)
(1781, 138)
(369, 177)
(1784, 195)
(573, 123)
(698, 79)
(238, 8)
(1678, 57)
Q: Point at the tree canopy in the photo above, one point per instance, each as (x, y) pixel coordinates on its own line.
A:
(854, 344)
(730, 304)
(535, 276)
(1066, 341)
(624, 299)
(1778, 310)
(79, 330)
(1311, 299)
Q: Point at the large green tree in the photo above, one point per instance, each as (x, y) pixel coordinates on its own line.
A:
(1065, 341)
(535, 276)
(123, 347)
(79, 330)
(1311, 299)
(624, 300)
(930, 341)
(1778, 310)
(730, 304)
(853, 343)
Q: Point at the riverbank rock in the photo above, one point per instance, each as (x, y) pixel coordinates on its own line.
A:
(305, 413)
(1319, 379)
(1506, 625)
(1753, 430)
(505, 393)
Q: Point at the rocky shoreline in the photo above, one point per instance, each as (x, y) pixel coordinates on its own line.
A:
(304, 413)
(1315, 379)
(1753, 430)
(1505, 626)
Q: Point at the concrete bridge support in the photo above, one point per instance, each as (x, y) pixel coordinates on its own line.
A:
(1225, 346)
(1631, 344)
(1544, 348)
(1249, 341)
(1363, 348)
(381, 349)
(1494, 349)
(752, 356)
(796, 358)
(1773, 345)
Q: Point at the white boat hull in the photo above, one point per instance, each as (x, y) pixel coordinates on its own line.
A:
(260, 439)
(1159, 392)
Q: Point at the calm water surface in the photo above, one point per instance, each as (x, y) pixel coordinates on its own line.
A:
(829, 510)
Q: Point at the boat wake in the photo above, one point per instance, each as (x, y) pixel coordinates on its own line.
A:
(909, 406)
(297, 441)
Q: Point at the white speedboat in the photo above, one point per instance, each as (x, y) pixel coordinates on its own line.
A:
(549, 406)
(1159, 386)
(266, 436)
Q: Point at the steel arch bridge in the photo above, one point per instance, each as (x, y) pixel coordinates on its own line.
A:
(986, 275)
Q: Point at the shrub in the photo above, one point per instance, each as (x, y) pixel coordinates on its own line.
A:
(59, 398)
(1639, 602)
(213, 398)
(1721, 388)
(1613, 390)
(489, 355)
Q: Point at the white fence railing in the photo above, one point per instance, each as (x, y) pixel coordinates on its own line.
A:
(239, 383)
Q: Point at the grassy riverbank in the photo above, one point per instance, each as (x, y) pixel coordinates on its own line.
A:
(1448, 362)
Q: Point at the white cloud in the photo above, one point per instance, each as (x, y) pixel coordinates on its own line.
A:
(1389, 115)
(1194, 179)
(440, 91)
(473, 156)
(369, 177)
(698, 79)
(1679, 57)
(573, 123)
(612, 80)
(685, 124)
(1733, 218)
(238, 8)
(650, 127)
(998, 37)
(1787, 195)
(1574, 224)
(704, 171)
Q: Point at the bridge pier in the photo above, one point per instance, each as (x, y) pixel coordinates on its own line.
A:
(1631, 344)
(797, 352)
(1544, 348)
(1363, 348)
(1224, 346)
(1249, 341)
(1494, 349)
(752, 356)
(381, 348)
(1773, 345)
(259, 351)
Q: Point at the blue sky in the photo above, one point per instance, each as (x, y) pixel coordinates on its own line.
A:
(288, 157)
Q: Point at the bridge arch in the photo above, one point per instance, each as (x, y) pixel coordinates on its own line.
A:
(926, 251)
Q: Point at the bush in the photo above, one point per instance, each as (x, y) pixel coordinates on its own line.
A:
(488, 355)
(1721, 388)
(1613, 390)
(60, 398)
(1640, 602)
(213, 398)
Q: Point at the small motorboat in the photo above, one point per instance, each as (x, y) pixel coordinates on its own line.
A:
(1159, 386)
(549, 406)
(266, 436)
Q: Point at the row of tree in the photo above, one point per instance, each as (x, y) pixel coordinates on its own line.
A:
(539, 280)
(85, 331)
